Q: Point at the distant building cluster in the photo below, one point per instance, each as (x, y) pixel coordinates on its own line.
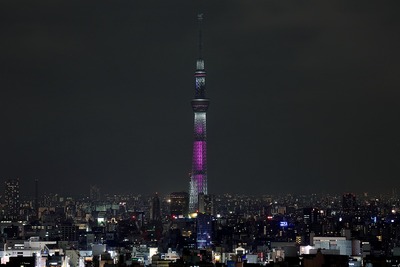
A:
(228, 230)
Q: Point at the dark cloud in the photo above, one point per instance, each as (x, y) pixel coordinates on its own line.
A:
(303, 95)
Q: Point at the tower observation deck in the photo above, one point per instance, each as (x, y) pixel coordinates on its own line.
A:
(198, 178)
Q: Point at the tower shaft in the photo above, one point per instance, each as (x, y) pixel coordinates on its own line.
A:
(198, 179)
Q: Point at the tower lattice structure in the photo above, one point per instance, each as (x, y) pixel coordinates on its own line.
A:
(200, 103)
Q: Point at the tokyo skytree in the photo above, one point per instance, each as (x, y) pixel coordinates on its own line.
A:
(198, 178)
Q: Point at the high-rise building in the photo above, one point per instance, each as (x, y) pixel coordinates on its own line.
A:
(349, 203)
(204, 230)
(94, 193)
(12, 198)
(36, 208)
(198, 179)
(311, 216)
(155, 214)
(206, 204)
(179, 205)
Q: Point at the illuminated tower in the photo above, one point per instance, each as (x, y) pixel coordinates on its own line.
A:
(198, 179)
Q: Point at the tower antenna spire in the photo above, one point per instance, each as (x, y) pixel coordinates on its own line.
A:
(200, 22)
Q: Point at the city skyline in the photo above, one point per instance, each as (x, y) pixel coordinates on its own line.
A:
(304, 96)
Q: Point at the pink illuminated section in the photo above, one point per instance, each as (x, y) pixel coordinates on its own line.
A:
(199, 155)
(199, 129)
(199, 178)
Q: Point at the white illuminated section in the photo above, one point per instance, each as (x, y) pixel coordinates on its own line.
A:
(200, 123)
(199, 117)
(200, 64)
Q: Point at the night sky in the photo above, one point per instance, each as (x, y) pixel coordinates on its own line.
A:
(304, 96)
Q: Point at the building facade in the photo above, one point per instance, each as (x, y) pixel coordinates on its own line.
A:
(11, 198)
(179, 205)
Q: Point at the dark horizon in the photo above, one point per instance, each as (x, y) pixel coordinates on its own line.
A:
(304, 97)
(27, 191)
